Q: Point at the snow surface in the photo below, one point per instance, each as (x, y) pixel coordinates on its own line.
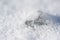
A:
(14, 14)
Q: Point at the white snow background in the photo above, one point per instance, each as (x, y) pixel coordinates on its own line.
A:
(14, 13)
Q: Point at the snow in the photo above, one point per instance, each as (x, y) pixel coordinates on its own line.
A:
(14, 14)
